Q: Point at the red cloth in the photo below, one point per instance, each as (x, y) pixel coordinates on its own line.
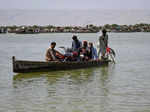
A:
(108, 49)
(75, 54)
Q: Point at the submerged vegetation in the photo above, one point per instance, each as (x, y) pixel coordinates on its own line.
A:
(142, 27)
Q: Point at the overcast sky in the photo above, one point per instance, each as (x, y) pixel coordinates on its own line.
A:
(75, 4)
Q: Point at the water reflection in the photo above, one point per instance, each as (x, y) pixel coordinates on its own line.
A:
(76, 90)
(80, 76)
(106, 75)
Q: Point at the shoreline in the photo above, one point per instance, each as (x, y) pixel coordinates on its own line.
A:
(35, 29)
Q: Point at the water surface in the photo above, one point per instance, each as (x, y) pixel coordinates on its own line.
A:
(123, 87)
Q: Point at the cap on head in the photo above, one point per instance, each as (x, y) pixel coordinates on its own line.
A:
(53, 43)
(74, 37)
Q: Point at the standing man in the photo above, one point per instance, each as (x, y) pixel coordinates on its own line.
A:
(103, 41)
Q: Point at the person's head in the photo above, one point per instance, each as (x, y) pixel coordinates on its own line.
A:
(74, 37)
(85, 43)
(104, 31)
(53, 44)
(90, 44)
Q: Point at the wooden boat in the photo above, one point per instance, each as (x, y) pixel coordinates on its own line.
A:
(22, 66)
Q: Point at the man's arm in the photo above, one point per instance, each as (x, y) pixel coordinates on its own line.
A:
(95, 54)
(59, 54)
(80, 44)
(48, 56)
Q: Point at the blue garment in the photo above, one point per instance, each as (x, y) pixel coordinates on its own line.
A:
(94, 53)
(76, 45)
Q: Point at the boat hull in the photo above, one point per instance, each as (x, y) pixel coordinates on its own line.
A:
(22, 66)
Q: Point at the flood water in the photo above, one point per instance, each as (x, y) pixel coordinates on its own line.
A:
(120, 87)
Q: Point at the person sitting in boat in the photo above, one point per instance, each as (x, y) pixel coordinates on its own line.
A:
(84, 51)
(103, 44)
(76, 44)
(52, 54)
(92, 52)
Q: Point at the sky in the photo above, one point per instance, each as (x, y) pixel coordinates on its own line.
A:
(75, 4)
